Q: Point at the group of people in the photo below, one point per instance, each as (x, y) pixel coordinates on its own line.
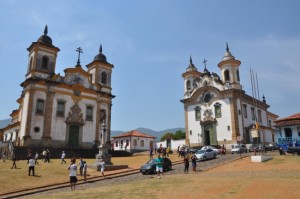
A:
(82, 169)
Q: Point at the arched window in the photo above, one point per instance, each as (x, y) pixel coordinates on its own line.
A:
(226, 75)
(188, 85)
(195, 83)
(103, 78)
(218, 111)
(45, 61)
(238, 75)
(197, 113)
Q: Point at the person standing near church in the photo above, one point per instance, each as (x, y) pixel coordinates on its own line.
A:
(81, 164)
(36, 157)
(31, 165)
(73, 173)
(63, 155)
(84, 170)
(102, 165)
(14, 159)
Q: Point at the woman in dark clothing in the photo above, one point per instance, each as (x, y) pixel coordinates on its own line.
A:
(186, 164)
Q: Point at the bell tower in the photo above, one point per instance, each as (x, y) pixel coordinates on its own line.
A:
(230, 70)
(191, 75)
(42, 57)
(101, 71)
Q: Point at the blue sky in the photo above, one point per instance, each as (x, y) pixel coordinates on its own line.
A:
(150, 42)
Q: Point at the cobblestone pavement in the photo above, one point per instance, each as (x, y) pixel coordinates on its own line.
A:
(177, 169)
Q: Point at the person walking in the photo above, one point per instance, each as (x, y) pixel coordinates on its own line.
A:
(48, 156)
(81, 166)
(14, 159)
(102, 165)
(44, 155)
(186, 163)
(167, 151)
(63, 155)
(84, 170)
(73, 173)
(159, 165)
(36, 157)
(194, 162)
(151, 153)
(31, 165)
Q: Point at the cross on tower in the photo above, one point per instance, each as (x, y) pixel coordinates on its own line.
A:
(204, 61)
(79, 50)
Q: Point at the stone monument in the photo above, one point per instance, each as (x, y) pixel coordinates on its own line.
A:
(103, 147)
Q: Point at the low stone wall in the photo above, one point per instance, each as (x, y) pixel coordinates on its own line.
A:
(108, 167)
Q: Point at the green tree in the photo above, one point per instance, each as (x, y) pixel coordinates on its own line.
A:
(179, 135)
(166, 136)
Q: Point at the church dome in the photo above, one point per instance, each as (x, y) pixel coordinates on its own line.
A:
(228, 55)
(100, 57)
(191, 66)
(45, 38)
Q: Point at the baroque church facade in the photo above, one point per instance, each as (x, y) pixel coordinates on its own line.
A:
(218, 111)
(73, 110)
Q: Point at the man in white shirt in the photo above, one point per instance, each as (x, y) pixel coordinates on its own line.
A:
(63, 155)
(73, 173)
(31, 166)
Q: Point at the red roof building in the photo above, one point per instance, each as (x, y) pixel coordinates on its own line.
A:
(133, 141)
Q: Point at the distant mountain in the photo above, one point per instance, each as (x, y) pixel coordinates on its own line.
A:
(4, 123)
(157, 134)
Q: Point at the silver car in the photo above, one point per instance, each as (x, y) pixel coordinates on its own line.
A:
(206, 154)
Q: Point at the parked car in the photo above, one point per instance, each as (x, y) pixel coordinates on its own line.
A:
(271, 147)
(150, 166)
(205, 154)
(239, 148)
(218, 150)
(256, 147)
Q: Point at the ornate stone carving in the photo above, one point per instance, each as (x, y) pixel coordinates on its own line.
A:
(75, 116)
(208, 115)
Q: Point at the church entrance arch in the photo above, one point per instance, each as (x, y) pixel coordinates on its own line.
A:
(74, 136)
(209, 134)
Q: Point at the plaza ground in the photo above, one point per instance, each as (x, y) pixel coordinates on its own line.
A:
(277, 178)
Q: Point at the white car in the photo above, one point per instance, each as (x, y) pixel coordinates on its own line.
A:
(239, 148)
(213, 148)
(206, 154)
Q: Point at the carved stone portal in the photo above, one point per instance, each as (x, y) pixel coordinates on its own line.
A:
(75, 116)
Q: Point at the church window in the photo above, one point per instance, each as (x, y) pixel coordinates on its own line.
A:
(191, 132)
(36, 129)
(103, 78)
(259, 116)
(226, 75)
(195, 83)
(134, 142)
(188, 85)
(60, 111)
(238, 75)
(89, 113)
(117, 143)
(142, 143)
(45, 61)
(218, 112)
(207, 97)
(253, 113)
(127, 142)
(197, 113)
(121, 144)
(40, 106)
(245, 110)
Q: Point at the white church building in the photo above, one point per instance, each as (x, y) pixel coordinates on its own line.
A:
(218, 111)
(55, 110)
